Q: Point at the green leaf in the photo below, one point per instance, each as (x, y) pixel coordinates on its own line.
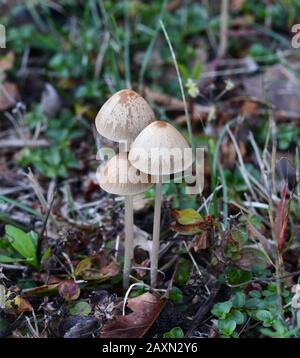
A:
(255, 303)
(176, 295)
(187, 216)
(197, 70)
(175, 332)
(238, 300)
(264, 316)
(226, 326)
(237, 316)
(9, 260)
(81, 308)
(23, 243)
(221, 309)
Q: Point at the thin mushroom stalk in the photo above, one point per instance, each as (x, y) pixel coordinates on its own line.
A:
(113, 178)
(156, 233)
(129, 242)
(156, 142)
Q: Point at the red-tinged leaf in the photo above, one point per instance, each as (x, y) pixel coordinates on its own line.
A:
(281, 220)
(200, 242)
(187, 229)
(42, 290)
(96, 268)
(252, 256)
(7, 61)
(8, 95)
(146, 308)
(15, 304)
(69, 290)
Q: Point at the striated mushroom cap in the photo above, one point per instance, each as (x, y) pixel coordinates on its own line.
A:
(123, 116)
(119, 177)
(160, 150)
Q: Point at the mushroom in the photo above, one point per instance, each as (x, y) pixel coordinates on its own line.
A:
(119, 177)
(159, 150)
(124, 116)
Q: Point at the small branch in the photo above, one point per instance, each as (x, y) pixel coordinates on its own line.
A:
(223, 29)
(19, 143)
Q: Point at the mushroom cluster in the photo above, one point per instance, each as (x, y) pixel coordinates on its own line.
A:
(127, 117)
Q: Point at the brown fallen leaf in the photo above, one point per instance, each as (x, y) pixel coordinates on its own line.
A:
(146, 308)
(250, 257)
(7, 61)
(69, 290)
(236, 5)
(200, 242)
(41, 290)
(8, 95)
(96, 268)
(15, 304)
(281, 220)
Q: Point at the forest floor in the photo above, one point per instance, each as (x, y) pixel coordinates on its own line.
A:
(229, 260)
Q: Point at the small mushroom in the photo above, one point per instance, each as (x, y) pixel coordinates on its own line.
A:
(124, 116)
(159, 150)
(119, 177)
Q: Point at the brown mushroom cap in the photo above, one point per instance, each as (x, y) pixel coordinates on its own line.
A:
(124, 116)
(160, 150)
(119, 177)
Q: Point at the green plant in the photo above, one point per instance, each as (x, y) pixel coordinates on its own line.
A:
(16, 245)
(257, 308)
(175, 332)
(176, 295)
(56, 160)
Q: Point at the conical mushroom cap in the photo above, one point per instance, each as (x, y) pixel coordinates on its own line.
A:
(124, 116)
(160, 150)
(119, 177)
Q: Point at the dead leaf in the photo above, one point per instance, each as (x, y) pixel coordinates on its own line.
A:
(96, 268)
(146, 308)
(252, 256)
(15, 304)
(236, 5)
(281, 220)
(255, 236)
(41, 290)
(78, 326)
(200, 242)
(7, 61)
(8, 95)
(69, 290)
(142, 239)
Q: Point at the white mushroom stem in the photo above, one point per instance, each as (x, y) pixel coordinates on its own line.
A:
(128, 239)
(156, 234)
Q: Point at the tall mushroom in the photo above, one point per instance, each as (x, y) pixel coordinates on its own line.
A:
(119, 177)
(122, 117)
(159, 150)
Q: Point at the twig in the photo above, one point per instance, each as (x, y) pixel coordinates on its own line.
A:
(203, 310)
(195, 264)
(188, 120)
(19, 143)
(101, 54)
(223, 29)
